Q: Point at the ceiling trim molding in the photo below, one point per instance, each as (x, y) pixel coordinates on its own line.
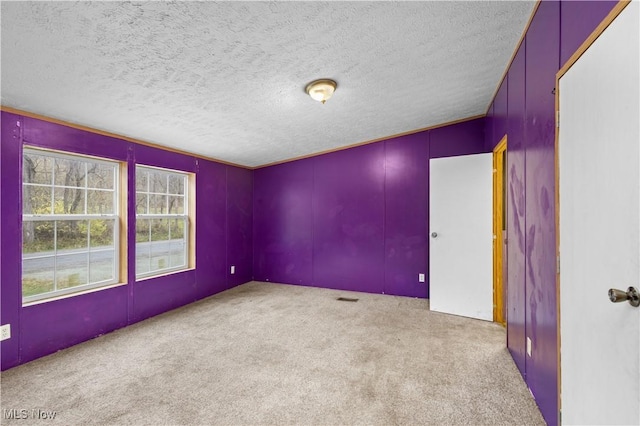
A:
(397, 135)
(178, 151)
(513, 55)
(115, 135)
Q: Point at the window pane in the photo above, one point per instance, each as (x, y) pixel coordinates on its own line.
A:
(101, 264)
(178, 227)
(178, 243)
(178, 253)
(142, 230)
(176, 204)
(141, 179)
(101, 233)
(176, 184)
(99, 202)
(72, 269)
(157, 204)
(141, 203)
(142, 258)
(159, 255)
(160, 243)
(158, 182)
(143, 247)
(37, 237)
(72, 234)
(69, 172)
(159, 229)
(36, 169)
(68, 200)
(100, 176)
(36, 199)
(37, 275)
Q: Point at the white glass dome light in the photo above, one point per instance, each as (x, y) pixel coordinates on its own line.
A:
(321, 90)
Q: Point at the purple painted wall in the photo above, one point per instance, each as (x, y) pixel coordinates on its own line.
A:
(348, 219)
(224, 236)
(578, 19)
(516, 203)
(283, 223)
(525, 111)
(10, 223)
(355, 219)
(542, 62)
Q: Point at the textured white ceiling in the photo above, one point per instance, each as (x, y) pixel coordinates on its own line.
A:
(226, 80)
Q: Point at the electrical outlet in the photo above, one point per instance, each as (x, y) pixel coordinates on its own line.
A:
(5, 332)
(233, 269)
(421, 278)
(529, 346)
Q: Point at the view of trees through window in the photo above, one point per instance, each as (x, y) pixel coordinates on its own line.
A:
(70, 223)
(162, 221)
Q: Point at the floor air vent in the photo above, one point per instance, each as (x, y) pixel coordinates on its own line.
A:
(347, 299)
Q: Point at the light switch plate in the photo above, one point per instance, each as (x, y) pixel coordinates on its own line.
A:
(421, 278)
(528, 346)
(233, 269)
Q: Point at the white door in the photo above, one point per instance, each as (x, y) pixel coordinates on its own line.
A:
(599, 228)
(460, 226)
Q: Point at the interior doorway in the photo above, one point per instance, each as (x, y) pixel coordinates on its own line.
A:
(499, 231)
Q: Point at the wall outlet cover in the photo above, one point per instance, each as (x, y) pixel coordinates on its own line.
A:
(5, 332)
(233, 269)
(421, 278)
(528, 346)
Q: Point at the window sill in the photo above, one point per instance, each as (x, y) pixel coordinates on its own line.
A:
(164, 274)
(69, 295)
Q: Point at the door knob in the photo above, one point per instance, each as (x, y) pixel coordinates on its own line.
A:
(632, 295)
(434, 234)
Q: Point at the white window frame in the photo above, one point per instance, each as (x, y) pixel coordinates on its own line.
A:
(185, 216)
(115, 216)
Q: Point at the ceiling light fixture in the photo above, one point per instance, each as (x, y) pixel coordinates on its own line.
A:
(321, 90)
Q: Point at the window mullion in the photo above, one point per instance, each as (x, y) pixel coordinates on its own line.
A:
(166, 196)
(169, 242)
(149, 250)
(185, 241)
(86, 184)
(88, 251)
(55, 255)
(53, 185)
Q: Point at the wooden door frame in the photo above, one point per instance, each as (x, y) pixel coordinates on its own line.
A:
(499, 184)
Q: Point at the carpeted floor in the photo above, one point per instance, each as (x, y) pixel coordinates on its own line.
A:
(277, 354)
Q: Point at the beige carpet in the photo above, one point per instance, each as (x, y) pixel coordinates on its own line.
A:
(278, 354)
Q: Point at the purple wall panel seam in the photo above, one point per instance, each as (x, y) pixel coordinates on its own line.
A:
(226, 234)
(384, 219)
(131, 187)
(313, 280)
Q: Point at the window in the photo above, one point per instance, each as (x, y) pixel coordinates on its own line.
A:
(162, 221)
(70, 223)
